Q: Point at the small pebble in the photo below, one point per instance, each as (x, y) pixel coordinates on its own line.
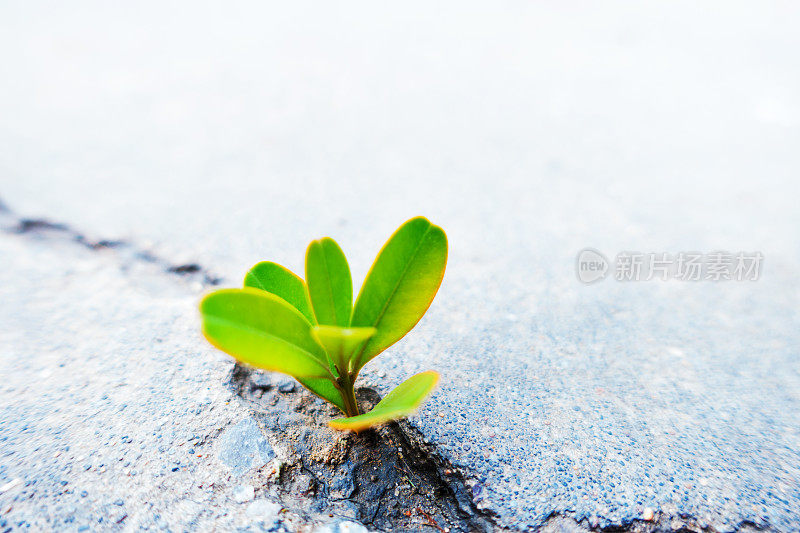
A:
(243, 493)
(264, 510)
(259, 380)
(10, 485)
(286, 386)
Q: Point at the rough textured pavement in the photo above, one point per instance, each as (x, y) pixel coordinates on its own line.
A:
(224, 136)
(114, 416)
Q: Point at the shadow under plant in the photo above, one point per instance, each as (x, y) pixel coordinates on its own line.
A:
(385, 478)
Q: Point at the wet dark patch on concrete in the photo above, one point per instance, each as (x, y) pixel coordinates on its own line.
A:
(386, 478)
(44, 228)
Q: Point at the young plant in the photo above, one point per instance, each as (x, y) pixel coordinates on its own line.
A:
(312, 331)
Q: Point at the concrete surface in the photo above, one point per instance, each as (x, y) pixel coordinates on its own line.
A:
(226, 135)
(108, 411)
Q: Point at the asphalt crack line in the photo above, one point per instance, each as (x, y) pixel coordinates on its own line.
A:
(12, 223)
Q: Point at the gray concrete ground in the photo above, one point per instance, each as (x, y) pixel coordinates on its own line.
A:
(114, 416)
(224, 136)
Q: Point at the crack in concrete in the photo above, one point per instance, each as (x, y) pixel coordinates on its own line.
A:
(20, 225)
(660, 523)
(386, 478)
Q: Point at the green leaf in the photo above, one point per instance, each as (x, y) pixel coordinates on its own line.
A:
(275, 279)
(262, 330)
(324, 388)
(342, 343)
(401, 284)
(329, 283)
(399, 403)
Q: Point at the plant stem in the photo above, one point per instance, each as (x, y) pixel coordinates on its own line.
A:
(349, 394)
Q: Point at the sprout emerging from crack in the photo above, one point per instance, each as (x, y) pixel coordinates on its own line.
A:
(312, 331)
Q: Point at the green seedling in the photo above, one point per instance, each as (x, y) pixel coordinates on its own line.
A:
(312, 331)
